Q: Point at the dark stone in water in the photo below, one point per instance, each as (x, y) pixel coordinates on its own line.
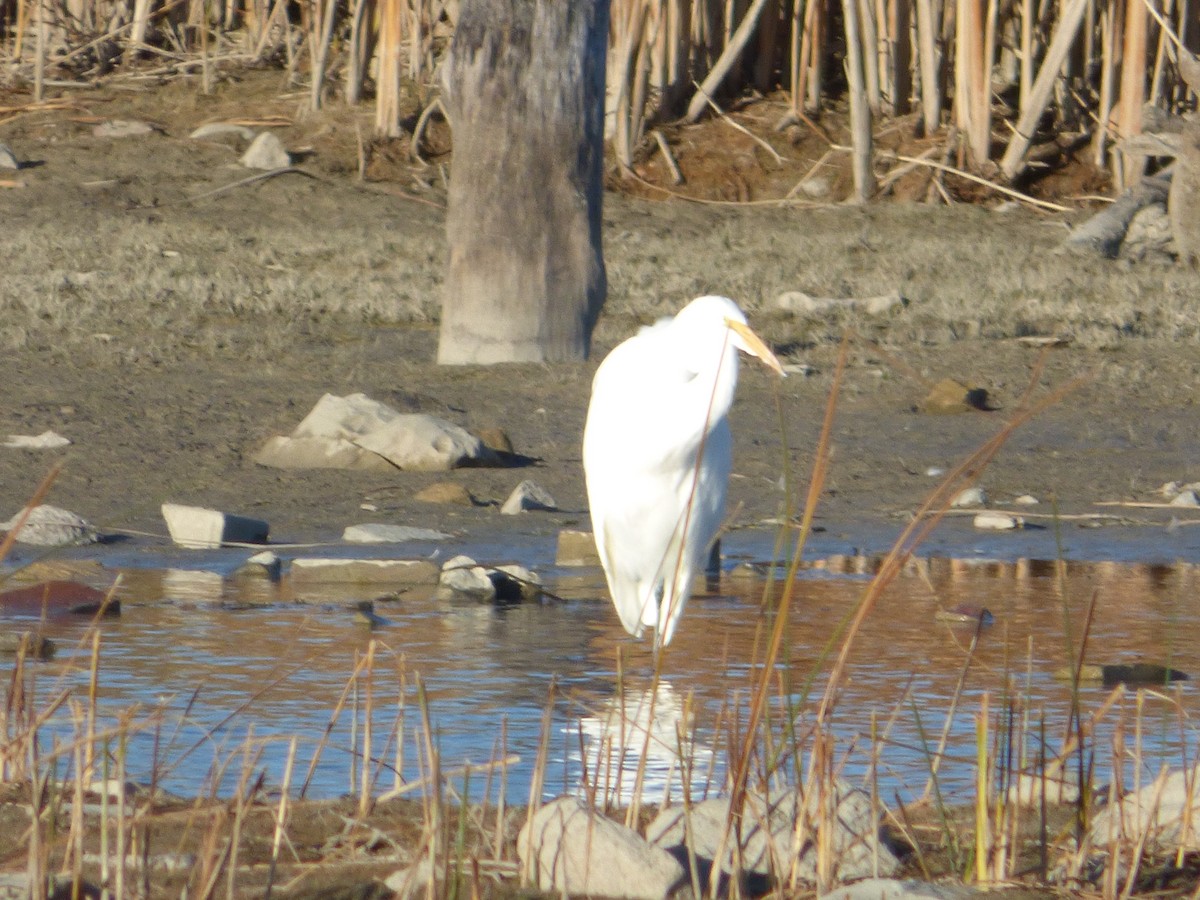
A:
(1141, 673)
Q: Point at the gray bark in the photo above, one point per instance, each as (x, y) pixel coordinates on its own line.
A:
(524, 92)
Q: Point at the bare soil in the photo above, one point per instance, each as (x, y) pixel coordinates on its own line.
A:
(169, 315)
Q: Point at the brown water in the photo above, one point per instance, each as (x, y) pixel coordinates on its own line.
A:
(201, 666)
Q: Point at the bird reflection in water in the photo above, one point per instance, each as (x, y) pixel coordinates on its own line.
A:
(640, 743)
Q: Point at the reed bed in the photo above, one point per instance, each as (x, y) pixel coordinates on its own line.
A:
(1004, 90)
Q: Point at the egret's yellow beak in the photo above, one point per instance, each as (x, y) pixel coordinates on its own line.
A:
(754, 345)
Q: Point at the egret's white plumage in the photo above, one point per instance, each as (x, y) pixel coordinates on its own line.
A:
(657, 452)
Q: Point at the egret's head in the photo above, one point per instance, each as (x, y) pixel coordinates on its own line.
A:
(722, 316)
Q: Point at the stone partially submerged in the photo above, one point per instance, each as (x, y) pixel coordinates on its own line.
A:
(356, 432)
(1163, 814)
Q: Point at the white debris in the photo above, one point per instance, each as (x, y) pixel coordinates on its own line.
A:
(998, 521)
(382, 533)
(266, 152)
(198, 528)
(47, 440)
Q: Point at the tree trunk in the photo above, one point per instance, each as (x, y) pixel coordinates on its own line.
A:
(524, 93)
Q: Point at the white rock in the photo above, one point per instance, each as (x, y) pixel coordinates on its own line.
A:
(935, 471)
(997, 521)
(415, 881)
(266, 152)
(422, 443)
(51, 526)
(968, 497)
(1026, 500)
(198, 528)
(47, 440)
(346, 417)
(800, 302)
(1169, 488)
(571, 849)
(222, 129)
(282, 452)
(1028, 790)
(120, 128)
(382, 533)
(1186, 498)
(262, 565)
(528, 495)
(8, 159)
(463, 578)
(855, 844)
(892, 889)
(1164, 811)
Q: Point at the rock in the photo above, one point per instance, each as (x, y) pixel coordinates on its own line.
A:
(57, 598)
(364, 611)
(463, 579)
(1112, 675)
(1029, 790)
(1026, 500)
(381, 533)
(854, 845)
(571, 849)
(323, 570)
(997, 521)
(497, 440)
(198, 528)
(1186, 498)
(266, 152)
(448, 492)
(414, 881)
(346, 417)
(36, 646)
(47, 440)
(319, 453)
(948, 397)
(1162, 811)
(8, 159)
(51, 526)
(416, 442)
(515, 583)
(800, 302)
(892, 889)
(576, 548)
(815, 188)
(121, 128)
(261, 565)
(528, 495)
(972, 496)
(221, 131)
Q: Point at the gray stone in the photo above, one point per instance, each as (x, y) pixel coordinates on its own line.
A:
(198, 528)
(968, 497)
(528, 495)
(266, 152)
(217, 131)
(855, 844)
(801, 303)
(346, 417)
(324, 570)
(1163, 811)
(8, 159)
(463, 579)
(571, 849)
(281, 452)
(418, 442)
(261, 565)
(382, 533)
(121, 128)
(892, 889)
(51, 526)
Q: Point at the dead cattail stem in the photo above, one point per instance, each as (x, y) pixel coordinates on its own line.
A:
(387, 84)
(927, 56)
(733, 50)
(860, 107)
(1133, 85)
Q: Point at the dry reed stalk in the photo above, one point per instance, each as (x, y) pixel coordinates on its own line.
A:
(321, 16)
(281, 814)
(900, 54)
(1066, 29)
(860, 106)
(1108, 28)
(329, 726)
(870, 51)
(983, 768)
(627, 29)
(928, 59)
(365, 780)
(387, 80)
(1133, 86)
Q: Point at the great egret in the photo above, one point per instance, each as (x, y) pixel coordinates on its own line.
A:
(657, 452)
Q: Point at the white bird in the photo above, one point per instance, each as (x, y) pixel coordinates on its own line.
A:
(657, 452)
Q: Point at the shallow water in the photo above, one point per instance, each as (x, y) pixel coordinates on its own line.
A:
(199, 667)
